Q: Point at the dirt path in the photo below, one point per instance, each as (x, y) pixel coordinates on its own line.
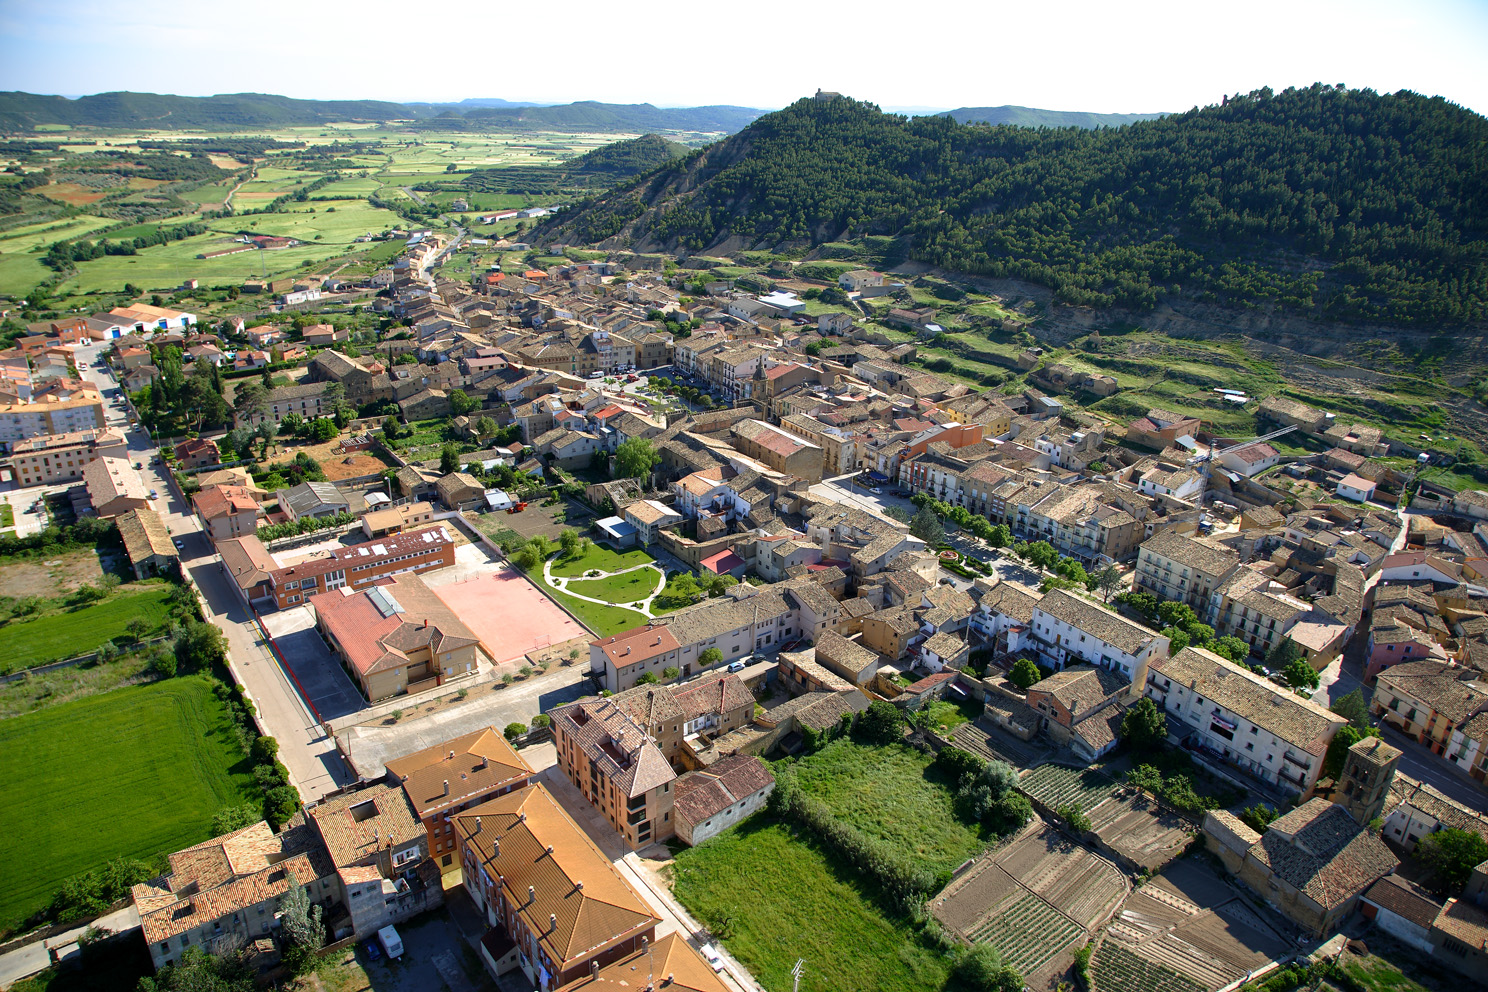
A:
(641, 606)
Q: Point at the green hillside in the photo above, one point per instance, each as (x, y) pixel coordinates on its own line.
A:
(631, 157)
(1033, 117)
(1333, 203)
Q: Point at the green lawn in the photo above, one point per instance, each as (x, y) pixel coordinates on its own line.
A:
(603, 620)
(1378, 975)
(631, 587)
(7, 515)
(774, 897)
(73, 631)
(892, 793)
(952, 715)
(603, 558)
(136, 772)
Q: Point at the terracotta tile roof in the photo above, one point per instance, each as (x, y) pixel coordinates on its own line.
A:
(1092, 619)
(1300, 722)
(378, 627)
(1405, 899)
(1321, 850)
(579, 903)
(623, 751)
(713, 695)
(843, 654)
(473, 765)
(670, 961)
(1465, 922)
(1080, 688)
(356, 825)
(1195, 554)
(637, 644)
(218, 501)
(704, 794)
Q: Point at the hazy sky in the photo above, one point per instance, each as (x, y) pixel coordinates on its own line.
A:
(1106, 56)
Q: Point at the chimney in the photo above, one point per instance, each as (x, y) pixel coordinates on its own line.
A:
(484, 761)
(452, 754)
(446, 787)
(579, 886)
(550, 850)
(552, 921)
(477, 825)
(426, 621)
(531, 895)
(522, 816)
(593, 967)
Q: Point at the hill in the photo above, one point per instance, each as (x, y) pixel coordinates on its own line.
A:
(1326, 202)
(1032, 117)
(631, 157)
(22, 112)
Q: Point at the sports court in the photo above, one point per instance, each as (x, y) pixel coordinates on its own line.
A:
(508, 613)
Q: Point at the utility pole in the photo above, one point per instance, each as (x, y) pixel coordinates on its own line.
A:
(796, 973)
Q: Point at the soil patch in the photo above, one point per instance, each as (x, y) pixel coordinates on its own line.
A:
(51, 575)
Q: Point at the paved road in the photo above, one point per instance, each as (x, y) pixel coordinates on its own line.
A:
(24, 962)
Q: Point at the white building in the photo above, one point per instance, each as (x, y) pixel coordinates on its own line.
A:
(1356, 488)
(1251, 459)
(708, 802)
(1066, 626)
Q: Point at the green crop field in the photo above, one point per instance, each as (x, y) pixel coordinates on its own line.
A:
(136, 772)
(778, 897)
(894, 794)
(25, 643)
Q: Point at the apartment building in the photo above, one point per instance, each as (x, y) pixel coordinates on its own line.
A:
(1252, 606)
(625, 657)
(613, 762)
(1244, 719)
(310, 400)
(445, 780)
(1066, 628)
(51, 413)
(1182, 569)
(54, 458)
(684, 717)
(1439, 704)
(554, 903)
(1092, 522)
(360, 565)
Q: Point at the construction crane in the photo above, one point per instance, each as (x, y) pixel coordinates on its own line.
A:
(1207, 458)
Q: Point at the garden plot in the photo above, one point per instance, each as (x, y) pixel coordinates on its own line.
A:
(1138, 828)
(1056, 785)
(1032, 899)
(1184, 931)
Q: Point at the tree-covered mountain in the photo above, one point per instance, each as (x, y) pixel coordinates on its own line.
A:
(1322, 201)
(22, 112)
(631, 157)
(1033, 117)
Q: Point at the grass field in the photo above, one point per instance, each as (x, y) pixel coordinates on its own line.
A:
(776, 897)
(630, 587)
(602, 558)
(603, 620)
(69, 632)
(136, 772)
(894, 794)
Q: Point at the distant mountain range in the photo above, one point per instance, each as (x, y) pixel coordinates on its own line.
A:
(1031, 117)
(23, 112)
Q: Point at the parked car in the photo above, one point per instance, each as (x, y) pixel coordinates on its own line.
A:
(154, 495)
(711, 956)
(736, 666)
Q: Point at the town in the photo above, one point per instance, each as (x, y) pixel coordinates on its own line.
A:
(611, 619)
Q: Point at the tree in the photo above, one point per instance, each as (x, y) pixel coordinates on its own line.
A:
(485, 427)
(709, 657)
(304, 934)
(980, 969)
(461, 402)
(514, 730)
(230, 818)
(1353, 709)
(449, 459)
(264, 750)
(291, 423)
(648, 678)
(1282, 654)
(1300, 675)
(249, 399)
(199, 646)
(1258, 817)
(391, 429)
(898, 513)
(323, 429)
(1347, 736)
(1143, 728)
(1452, 854)
(881, 723)
(1072, 814)
(1000, 537)
(198, 971)
(281, 803)
(137, 628)
(1107, 580)
(927, 527)
(1231, 648)
(1024, 674)
(635, 458)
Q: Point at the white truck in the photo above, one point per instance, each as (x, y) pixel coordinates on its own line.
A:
(391, 943)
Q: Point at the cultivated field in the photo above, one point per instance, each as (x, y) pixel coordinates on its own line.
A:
(136, 772)
(1032, 899)
(1184, 931)
(1056, 785)
(64, 631)
(49, 575)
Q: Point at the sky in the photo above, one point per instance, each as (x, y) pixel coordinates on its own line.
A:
(1138, 56)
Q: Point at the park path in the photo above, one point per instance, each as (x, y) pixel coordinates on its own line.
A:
(642, 606)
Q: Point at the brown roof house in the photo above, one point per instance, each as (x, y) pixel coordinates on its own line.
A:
(712, 800)
(114, 487)
(396, 638)
(617, 767)
(682, 968)
(147, 543)
(1080, 708)
(1313, 864)
(445, 780)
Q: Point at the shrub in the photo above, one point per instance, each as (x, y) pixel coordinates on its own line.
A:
(514, 730)
(265, 750)
(1072, 814)
(542, 720)
(508, 679)
(882, 723)
(230, 818)
(281, 803)
(1024, 674)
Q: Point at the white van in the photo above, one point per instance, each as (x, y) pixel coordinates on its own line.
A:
(391, 943)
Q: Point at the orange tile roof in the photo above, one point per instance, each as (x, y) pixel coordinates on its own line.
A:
(671, 964)
(567, 893)
(474, 765)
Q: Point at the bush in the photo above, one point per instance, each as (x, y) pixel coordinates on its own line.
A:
(93, 892)
(265, 750)
(230, 818)
(514, 730)
(280, 804)
(881, 724)
(542, 720)
(1024, 674)
(1072, 814)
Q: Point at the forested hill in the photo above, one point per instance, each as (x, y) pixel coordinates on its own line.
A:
(22, 112)
(631, 157)
(1323, 201)
(1032, 117)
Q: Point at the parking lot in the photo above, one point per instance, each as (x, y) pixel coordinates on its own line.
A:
(320, 676)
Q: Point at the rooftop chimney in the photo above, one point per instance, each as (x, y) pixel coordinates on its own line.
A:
(552, 921)
(485, 761)
(446, 787)
(452, 754)
(477, 826)
(531, 895)
(579, 886)
(522, 816)
(550, 850)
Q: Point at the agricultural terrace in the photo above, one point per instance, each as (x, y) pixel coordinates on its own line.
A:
(772, 894)
(137, 772)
